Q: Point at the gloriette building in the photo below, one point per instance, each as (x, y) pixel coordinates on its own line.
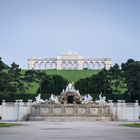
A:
(69, 61)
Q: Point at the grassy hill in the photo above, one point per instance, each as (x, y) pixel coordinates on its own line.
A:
(71, 75)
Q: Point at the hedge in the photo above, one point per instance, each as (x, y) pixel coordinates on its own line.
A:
(25, 97)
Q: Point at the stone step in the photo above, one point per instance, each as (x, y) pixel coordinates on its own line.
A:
(66, 118)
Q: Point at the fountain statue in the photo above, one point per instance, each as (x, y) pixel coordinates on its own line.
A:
(70, 87)
(69, 96)
(53, 99)
(87, 99)
(38, 99)
(101, 99)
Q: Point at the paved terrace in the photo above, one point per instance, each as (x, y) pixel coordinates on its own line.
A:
(70, 131)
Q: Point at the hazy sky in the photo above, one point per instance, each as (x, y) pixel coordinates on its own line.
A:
(46, 28)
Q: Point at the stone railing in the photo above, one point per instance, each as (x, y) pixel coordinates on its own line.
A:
(19, 110)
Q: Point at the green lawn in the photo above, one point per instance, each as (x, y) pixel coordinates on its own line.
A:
(33, 88)
(73, 75)
(8, 124)
(132, 124)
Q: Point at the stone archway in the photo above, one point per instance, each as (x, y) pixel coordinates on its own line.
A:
(48, 66)
(85, 65)
(75, 65)
(91, 66)
(53, 65)
(102, 65)
(42, 65)
(70, 99)
(69, 65)
(36, 65)
(96, 65)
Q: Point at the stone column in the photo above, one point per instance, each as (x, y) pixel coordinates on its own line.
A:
(123, 110)
(31, 64)
(72, 65)
(17, 110)
(136, 111)
(29, 104)
(119, 110)
(80, 65)
(50, 65)
(108, 65)
(3, 110)
(39, 66)
(21, 110)
(111, 106)
(66, 66)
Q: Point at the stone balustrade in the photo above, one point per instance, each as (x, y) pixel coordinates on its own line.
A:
(19, 110)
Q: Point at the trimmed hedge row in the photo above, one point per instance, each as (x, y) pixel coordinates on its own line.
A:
(25, 97)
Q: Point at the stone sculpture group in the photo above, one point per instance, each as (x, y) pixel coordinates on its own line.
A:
(70, 89)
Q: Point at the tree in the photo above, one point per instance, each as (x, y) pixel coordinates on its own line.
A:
(103, 82)
(133, 77)
(131, 73)
(53, 84)
(16, 79)
(83, 86)
(4, 77)
(95, 84)
(2, 65)
(118, 83)
(4, 82)
(59, 83)
(125, 66)
(39, 76)
(29, 78)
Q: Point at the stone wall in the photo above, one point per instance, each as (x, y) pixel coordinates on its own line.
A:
(19, 110)
(125, 111)
(71, 110)
(15, 111)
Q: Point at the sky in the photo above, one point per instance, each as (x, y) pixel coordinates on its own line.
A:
(46, 28)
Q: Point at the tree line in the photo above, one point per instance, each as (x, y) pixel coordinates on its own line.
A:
(14, 80)
(119, 79)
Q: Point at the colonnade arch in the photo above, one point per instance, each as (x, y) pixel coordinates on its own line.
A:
(53, 65)
(85, 65)
(70, 61)
(102, 65)
(36, 65)
(93, 65)
(69, 65)
(44, 65)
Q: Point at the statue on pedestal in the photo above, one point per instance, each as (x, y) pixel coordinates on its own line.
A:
(38, 99)
(87, 99)
(101, 99)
